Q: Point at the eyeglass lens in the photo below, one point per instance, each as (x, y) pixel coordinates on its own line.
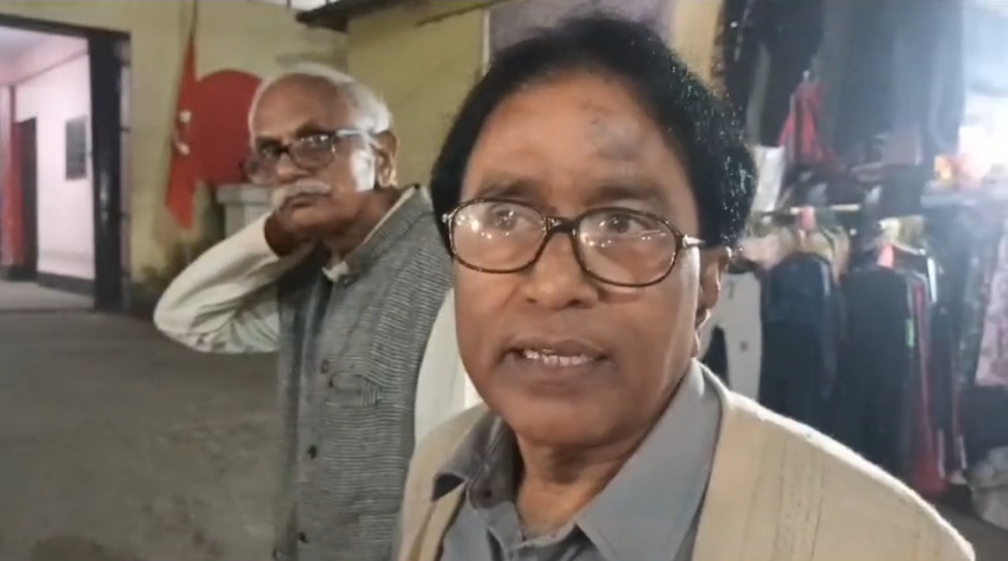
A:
(310, 153)
(618, 246)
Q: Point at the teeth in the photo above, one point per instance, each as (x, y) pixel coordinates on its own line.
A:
(550, 359)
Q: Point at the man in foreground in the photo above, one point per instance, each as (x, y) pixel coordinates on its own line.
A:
(345, 278)
(590, 188)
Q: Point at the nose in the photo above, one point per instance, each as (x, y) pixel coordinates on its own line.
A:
(287, 171)
(556, 281)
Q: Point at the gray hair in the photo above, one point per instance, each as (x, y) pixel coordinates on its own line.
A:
(373, 116)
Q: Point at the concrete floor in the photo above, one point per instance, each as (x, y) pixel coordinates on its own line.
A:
(29, 297)
(117, 445)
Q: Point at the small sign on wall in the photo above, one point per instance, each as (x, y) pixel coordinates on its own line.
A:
(76, 148)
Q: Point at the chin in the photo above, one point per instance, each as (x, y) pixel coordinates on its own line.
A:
(561, 424)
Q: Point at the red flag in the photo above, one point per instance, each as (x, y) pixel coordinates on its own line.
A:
(183, 170)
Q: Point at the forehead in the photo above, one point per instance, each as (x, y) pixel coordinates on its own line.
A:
(572, 141)
(294, 103)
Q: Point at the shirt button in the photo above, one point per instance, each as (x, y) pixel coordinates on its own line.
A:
(302, 537)
(312, 451)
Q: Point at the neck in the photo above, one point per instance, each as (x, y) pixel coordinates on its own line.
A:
(557, 484)
(374, 209)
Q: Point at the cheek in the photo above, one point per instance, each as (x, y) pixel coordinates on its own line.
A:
(665, 318)
(356, 173)
(363, 170)
(478, 307)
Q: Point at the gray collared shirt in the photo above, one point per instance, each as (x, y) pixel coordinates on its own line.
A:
(648, 511)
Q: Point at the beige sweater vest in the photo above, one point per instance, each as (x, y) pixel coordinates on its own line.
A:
(778, 491)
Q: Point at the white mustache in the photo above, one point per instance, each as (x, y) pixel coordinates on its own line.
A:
(281, 195)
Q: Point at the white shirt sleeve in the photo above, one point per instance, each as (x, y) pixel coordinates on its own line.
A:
(226, 300)
(443, 386)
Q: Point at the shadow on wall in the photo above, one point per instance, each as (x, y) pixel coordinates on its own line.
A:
(207, 230)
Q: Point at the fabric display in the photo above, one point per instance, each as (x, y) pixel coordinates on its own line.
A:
(897, 346)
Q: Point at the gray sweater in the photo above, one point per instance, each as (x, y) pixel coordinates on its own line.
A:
(349, 356)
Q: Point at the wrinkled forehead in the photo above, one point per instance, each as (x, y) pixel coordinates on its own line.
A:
(582, 140)
(297, 104)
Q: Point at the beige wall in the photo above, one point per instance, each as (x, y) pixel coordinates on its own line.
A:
(422, 58)
(248, 36)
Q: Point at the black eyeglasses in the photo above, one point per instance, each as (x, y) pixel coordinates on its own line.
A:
(617, 246)
(311, 152)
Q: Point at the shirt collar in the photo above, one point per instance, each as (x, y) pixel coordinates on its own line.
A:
(651, 503)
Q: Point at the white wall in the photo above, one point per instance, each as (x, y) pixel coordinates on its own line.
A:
(52, 85)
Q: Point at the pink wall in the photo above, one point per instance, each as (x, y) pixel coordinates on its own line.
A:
(52, 84)
(53, 51)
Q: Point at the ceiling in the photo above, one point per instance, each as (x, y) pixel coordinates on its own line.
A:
(15, 41)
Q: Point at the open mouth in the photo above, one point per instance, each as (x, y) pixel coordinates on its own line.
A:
(557, 358)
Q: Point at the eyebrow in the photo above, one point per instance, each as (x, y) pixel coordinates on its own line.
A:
(519, 189)
(603, 194)
(632, 190)
(306, 129)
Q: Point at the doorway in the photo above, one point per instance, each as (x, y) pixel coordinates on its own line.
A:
(63, 216)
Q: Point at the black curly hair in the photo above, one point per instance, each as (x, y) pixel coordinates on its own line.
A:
(698, 124)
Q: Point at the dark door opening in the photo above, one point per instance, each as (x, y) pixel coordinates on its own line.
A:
(107, 62)
(26, 135)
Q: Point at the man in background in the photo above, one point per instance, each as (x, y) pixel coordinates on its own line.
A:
(346, 278)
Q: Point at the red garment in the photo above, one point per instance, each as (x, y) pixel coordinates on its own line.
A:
(929, 477)
(801, 135)
(183, 171)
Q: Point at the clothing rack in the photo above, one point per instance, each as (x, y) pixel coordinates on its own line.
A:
(797, 210)
(808, 215)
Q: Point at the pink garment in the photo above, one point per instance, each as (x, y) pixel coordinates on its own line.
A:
(992, 368)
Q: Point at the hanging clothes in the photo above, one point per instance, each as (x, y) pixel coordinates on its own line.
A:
(965, 241)
(732, 338)
(873, 410)
(801, 136)
(793, 35)
(929, 476)
(788, 33)
(801, 323)
(856, 65)
(739, 42)
(992, 364)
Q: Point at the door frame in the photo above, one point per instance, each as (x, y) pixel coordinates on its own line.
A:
(108, 54)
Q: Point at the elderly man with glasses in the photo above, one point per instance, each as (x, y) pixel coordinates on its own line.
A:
(576, 185)
(347, 280)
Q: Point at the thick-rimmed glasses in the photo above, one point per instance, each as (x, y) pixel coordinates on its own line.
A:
(310, 152)
(617, 246)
